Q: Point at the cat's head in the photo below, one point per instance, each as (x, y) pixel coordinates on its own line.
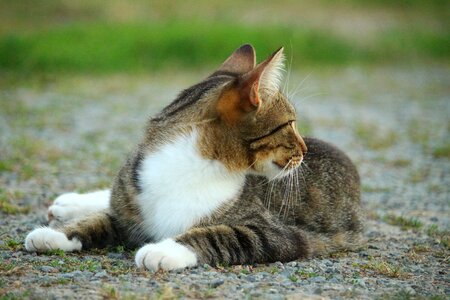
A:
(256, 129)
(249, 125)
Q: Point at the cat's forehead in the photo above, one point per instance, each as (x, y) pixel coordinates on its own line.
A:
(273, 112)
(278, 104)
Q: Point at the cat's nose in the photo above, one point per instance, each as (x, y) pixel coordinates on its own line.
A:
(302, 144)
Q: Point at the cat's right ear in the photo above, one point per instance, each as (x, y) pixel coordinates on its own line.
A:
(241, 61)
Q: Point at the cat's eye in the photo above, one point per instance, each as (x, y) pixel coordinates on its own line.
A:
(273, 131)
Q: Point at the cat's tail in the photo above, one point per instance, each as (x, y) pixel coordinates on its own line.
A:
(96, 230)
(326, 244)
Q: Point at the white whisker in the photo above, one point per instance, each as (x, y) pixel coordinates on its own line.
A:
(291, 95)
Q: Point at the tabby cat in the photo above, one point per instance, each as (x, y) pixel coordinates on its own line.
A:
(221, 176)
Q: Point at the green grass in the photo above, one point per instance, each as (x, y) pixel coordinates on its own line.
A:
(442, 151)
(384, 268)
(105, 47)
(402, 222)
(7, 205)
(24, 151)
(436, 4)
(305, 274)
(56, 252)
(373, 137)
(441, 236)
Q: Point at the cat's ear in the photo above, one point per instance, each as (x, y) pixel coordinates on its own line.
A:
(270, 73)
(241, 61)
(244, 96)
(264, 79)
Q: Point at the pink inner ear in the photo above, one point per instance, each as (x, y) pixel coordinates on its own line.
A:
(254, 95)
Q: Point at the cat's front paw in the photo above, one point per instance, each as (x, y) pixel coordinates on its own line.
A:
(44, 239)
(64, 208)
(166, 255)
(71, 206)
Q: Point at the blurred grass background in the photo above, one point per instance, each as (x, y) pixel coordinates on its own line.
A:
(81, 36)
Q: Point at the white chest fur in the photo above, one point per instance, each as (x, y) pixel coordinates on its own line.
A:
(179, 187)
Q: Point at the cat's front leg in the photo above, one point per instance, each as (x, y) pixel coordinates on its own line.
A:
(69, 206)
(228, 244)
(167, 255)
(97, 230)
(45, 239)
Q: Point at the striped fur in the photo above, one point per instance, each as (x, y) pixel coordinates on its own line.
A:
(243, 126)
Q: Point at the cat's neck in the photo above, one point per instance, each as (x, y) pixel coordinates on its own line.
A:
(180, 187)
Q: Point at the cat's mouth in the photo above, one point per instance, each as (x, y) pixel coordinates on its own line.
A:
(292, 163)
(295, 161)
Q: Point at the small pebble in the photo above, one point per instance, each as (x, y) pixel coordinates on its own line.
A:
(114, 255)
(317, 279)
(360, 282)
(101, 274)
(48, 269)
(216, 282)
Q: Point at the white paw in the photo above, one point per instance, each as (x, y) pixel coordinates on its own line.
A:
(72, 205)
(166, 255)
(43, 239)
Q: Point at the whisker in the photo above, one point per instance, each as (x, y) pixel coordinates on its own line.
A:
(303, 163)
(301, 174)
(289, 197)
(311, 96)
(286, 194)
(280, 173)
(283, 199)
(298, 86)
(295, 193)
(288, 77)
(273, 183)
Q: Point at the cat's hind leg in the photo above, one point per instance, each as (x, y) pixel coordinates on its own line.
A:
(96, 230)
(71, 206)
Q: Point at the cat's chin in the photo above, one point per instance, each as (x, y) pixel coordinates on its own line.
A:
(273, 171)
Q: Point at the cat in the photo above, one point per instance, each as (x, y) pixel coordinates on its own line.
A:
(222, 176)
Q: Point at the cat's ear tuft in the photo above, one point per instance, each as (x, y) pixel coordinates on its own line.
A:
(272, 72)
(241, 61)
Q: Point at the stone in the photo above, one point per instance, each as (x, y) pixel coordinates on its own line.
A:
(216, 282)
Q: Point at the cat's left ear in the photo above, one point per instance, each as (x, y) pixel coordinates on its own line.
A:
(244, 96)
(265, 78)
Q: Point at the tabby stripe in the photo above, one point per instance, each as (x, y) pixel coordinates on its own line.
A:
(234, 248)
(224, 241)
(224, 73)
(212, 240)
(191, 95)
(205, 244)
(264, 241)
(136, 165)
(245, 243)
(113, 228)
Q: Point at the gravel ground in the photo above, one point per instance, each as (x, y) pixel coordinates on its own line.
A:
(67, 134)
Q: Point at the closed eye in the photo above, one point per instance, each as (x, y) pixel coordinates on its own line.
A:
(271, 132)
